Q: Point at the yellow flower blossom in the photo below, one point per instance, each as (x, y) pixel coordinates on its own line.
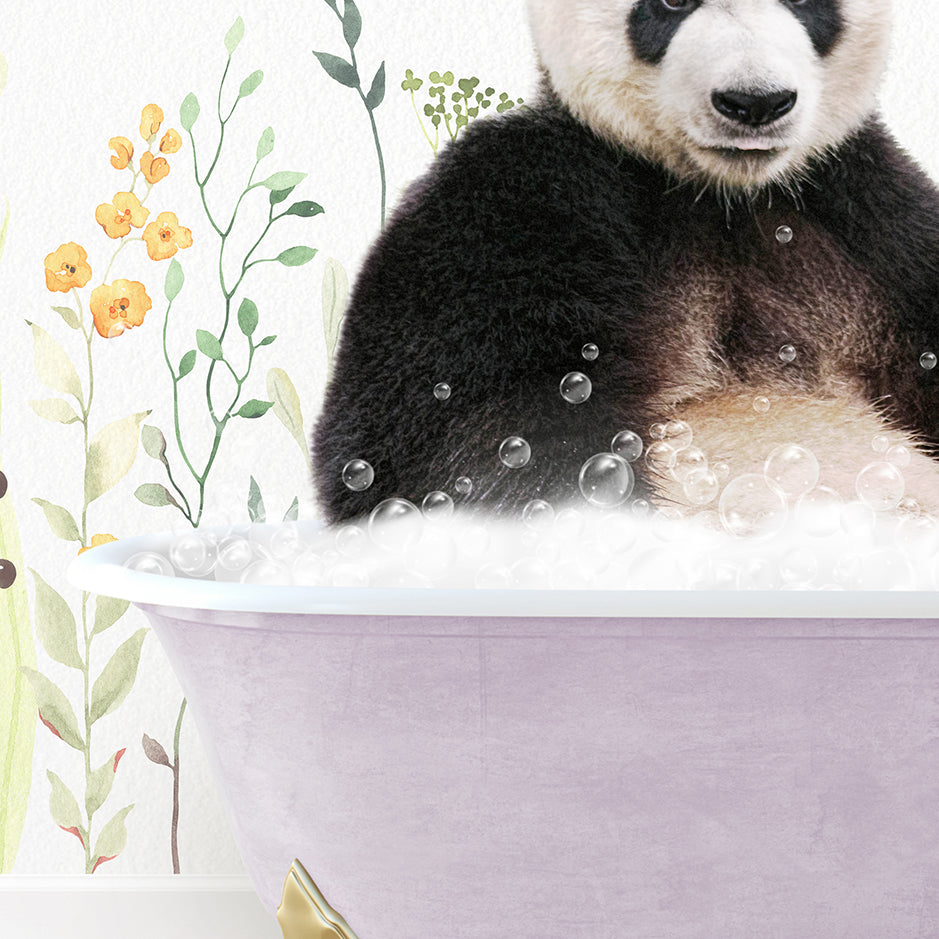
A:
(124, 150)
(154, 168)
(96, 540)
(151, 117)
(118, 306)
(117, 216)
(170, 142)
(165, 236)
(67, 267)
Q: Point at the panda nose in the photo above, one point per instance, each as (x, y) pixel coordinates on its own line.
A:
(754, 110)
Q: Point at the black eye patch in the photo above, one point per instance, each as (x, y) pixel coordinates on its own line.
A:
(652, 25)
(821, 20)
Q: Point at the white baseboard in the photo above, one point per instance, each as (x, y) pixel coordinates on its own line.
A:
(132, 908)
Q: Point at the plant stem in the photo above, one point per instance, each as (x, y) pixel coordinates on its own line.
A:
(174, 842)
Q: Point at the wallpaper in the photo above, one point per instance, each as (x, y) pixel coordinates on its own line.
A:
(186, 194)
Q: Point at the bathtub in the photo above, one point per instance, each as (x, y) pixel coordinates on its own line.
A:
(465, 764)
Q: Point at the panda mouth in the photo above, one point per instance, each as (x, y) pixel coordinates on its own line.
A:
(746, 153)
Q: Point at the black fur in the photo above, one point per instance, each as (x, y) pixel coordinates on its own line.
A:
(822, 21)
(531, 237)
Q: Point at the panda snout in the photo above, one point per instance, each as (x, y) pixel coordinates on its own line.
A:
(753, 109)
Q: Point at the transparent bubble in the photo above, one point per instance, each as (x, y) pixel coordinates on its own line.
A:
(617, 531)
(606, 480)
(678, 434)
(787, 353)
(351, 541)
(899, 456)
(750, 508)
(641, 508)
(574, 574)
(149, 562)
(721, 470)
(590, 351)
(435, 553)
(494, 577)
(657, 569)
(530, 574)
(437, 505)
(395, 524)
(784, 234)
(880, 443)
(286, 542)
(538, 515)
(928, 360)
(358, 475)
(474, 542)
(569, 524)
(266, 571)
(349, 575)
(442, 391)
(818, 512)
(918, 536)
(628, 445)
(308, 569)
(661, 457)
(463, 485)
(235, 554)
(910, 505)
(657, 431)
(761, 404)
(576, 387)
(688, 461)
(857, 519)
(758, 574)
(882, 569)
(791, 469)
(880, 486)
(192, 555)
(701, 487)
(799, 566)
(514, 452)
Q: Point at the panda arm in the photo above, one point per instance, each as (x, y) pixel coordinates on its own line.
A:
(517, 250)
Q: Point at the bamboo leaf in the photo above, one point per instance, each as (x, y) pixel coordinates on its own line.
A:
(265, 144)
(305, 209)
(255, 408)
(256, 512)
(248, 316)
(108, 610)
(376, 94)
(297, 256)
(351, 23)
(293, 512)
(234, 35)
(338, 69)
(69, 315)
(54, 710)
(112, 840)
(189, 111)
(64, 806)
(111, 454)
(155, 494)
(187, 363)
(208, 344)
(60, 521)
(117, 677)
(335, 298)
(100, 782)
(283, 180)
(57, 410)
(173, 282)
(281, 390)
(53, 366)
(250, 84)
(55, 625)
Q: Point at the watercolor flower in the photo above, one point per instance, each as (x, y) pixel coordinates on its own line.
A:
(117, 216)
(124, 150)
(170, 142)
(166, 236)
(151, 117)
(67, 267)
(118, 306)
(95, 541)
(154, 168)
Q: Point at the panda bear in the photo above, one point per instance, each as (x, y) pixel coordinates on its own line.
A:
(705, 193)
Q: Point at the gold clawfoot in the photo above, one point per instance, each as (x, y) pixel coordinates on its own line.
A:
(304, 913)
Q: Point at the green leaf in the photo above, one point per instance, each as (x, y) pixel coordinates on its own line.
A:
(187, 363)
(293, 512)
(255, 408)
(156, 495)
(266, 341)
(55, 625)
(305, 209)
(173, 281)
(54, 710)
(376, 94)
(410, 83)
(332, 5)
(234, 35)
(60, 521)
(281, 391)
(351, 23)
(208, 344)
(279, 195)
(117, 677)
(108, 610)
(265, 144)
(335, 298)
(69, 315)
(283, 180)
(113, 838)
(256, 511)
(248, 316)
(111, 454)
(296, 257)
(189, 111)
(338, 69)
(250, 84)
(100, 783)
(55, 409)
(53, 366)
(154, 443)
(64, 806)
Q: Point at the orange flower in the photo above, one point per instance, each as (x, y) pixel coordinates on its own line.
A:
(124, 150)
(117, 216)
(118, 306)
(151, 117)
(170, 142)
(67, 267)
(96, 540)
(154, 168)
(165, 236)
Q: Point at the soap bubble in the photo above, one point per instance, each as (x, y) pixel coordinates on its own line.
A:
(758, 574)
(657, 431)
(590, 351)
(514, 452)
(266, 571)
(750, 508)
(818, 512)
(899, 456)
(285, 543)
(308, 569)
(784, 234)
(569, 524)
(857, 519)
(641, 508)
(437, 505)
(538, 515)
(530, 574)
(463, 485)
(617, 531)
(149, 562)
(474, 542)
(791, 469)
(880, 486)
(880, 443)
(918, 536)
(493, 577)
(350, 576)
(701, 487)
(661, 457)
(351, 541)
(606, 480)
(787, 353)
(628, 445)
(721, 470)
(687, 461)
(442, 391)
(192, 555)
(235, 554)
(395, 524)
(678, 434)
(928, 360)
(657, 569)
(761, 404)
(576, 387)
(799, 566)
(358, 475)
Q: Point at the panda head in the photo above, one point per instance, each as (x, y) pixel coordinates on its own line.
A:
(735, 93)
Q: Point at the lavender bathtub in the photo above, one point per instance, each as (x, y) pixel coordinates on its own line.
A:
(467, 764)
